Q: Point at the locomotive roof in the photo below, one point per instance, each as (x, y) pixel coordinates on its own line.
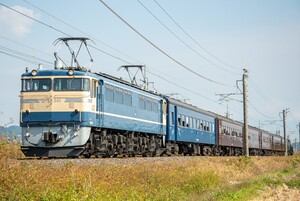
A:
(126, 83)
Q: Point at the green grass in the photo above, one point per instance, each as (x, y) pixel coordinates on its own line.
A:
(247, 190)
(199, 178)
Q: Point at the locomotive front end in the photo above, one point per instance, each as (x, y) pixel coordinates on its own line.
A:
(56, 111)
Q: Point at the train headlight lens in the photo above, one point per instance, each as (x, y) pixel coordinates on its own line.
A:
(27, 135)
(71, 72)
(34, 72)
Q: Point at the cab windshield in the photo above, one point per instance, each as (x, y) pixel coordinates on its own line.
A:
(36, 84)
(71, 84)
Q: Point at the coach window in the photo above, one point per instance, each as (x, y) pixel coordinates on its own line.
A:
(226, 130)
(127, 98)
(179, 120)
(109, 93)
(187, 121)
(183, 120)
(142, 102)
(154, 106)
(193, 122)
(223, 130)
(205, 127)
(118, 95)
(233, 133)
(148, 104)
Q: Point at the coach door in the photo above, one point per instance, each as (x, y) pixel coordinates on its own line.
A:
(177, 122)
(99, 103)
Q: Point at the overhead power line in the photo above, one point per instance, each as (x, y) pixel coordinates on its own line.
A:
(159, 49)
(34, 19)
(84, 33)
(182, 41)
(259, 111)
(264, 97)
(26, 46)
(49, 26)
(28, 60)
(192, 91)
(204, 49)
(109, 54)
(21, 54)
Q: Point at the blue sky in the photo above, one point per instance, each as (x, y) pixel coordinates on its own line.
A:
(262, 36)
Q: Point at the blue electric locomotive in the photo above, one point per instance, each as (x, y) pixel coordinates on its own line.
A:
(72, 113)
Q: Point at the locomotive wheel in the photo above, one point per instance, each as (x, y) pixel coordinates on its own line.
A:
(87, 155)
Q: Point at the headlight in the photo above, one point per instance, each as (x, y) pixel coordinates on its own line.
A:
(27, 135)
(34, 72)
(71, 72)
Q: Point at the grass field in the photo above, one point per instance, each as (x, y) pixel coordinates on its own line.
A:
(191, 178)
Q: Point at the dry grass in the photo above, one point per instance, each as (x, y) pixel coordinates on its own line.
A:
(159, 180)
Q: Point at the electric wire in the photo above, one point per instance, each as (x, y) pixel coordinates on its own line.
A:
(259, 111)
(84, 33)
(21, 54)
(159, 49)
(187, 89)
(26, 46)
(23, 59)
(109, 54)
(267, 100)
(182, 41)
(204, 49)
(34, 19)
(49, 26)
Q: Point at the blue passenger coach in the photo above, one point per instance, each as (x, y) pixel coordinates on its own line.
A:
(190, 129)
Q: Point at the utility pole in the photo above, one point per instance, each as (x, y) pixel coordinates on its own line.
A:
(245, 106)
(245, 103)
(284, 131)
